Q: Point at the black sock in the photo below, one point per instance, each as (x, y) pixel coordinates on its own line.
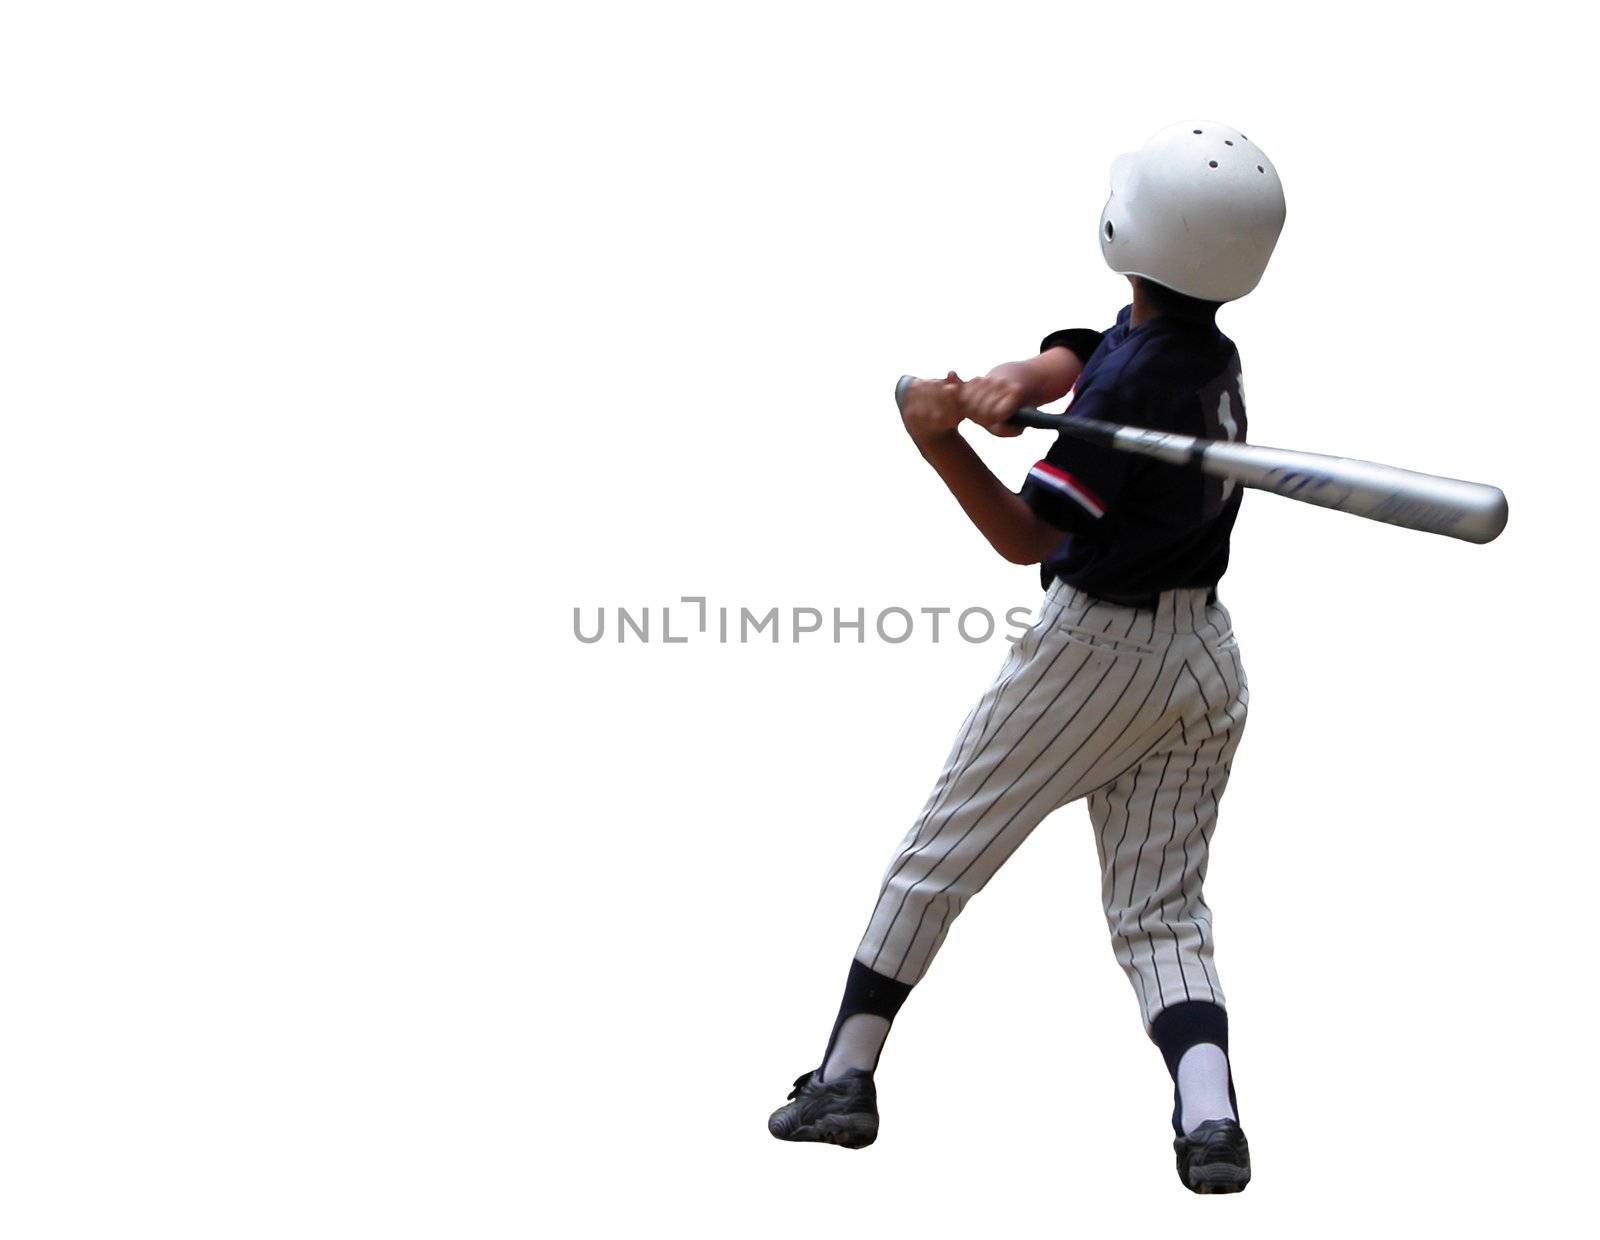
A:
(865, 994)
(1185, 1025)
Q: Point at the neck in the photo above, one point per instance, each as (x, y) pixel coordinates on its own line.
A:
(1145, 308)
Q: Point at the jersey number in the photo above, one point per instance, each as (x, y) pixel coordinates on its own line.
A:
(1230, 428)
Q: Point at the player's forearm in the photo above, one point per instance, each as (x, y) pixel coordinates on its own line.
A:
(1041, 379)
(1011, 527)
(1029, 382)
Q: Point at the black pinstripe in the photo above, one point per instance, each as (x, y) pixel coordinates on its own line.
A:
(1198, 686)
(1137, 762)
(960, 757)
(990, 700)
(933, 942)
(1237, 688)
(895, 919)
(1133, 882)
(957, 767)
(1188, 868)
(1161, 873)
(1111, 853)
(1200, 923)
(1054, 774)
(1109, 881)
(965, 766)
(1217, 667)
(932, 870)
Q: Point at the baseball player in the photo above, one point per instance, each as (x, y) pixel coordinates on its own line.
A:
(1128, 690)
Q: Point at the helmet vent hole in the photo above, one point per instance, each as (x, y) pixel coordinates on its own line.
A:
(1227, 142)
(1259, 168)
(1110, 231)
(1213, 163)
(1197, 131)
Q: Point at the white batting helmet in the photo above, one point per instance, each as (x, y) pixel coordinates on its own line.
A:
(1198, 208)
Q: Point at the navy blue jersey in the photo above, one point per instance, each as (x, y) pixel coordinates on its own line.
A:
(1133, 526)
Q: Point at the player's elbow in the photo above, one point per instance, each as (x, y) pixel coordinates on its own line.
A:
(1016, 553)
(1031, 544)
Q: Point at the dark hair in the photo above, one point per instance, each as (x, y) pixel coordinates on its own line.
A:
(1179, 305)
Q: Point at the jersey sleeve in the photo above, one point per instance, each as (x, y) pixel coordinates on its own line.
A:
(1078, 484)
(1068, 487)
(1081, 341)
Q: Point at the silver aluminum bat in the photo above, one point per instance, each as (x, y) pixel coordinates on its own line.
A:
(1472, 511)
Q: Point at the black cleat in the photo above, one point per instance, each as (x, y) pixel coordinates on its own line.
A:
(842, 1112)
(1214, 1158)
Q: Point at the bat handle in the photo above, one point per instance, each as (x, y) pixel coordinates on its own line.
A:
(1022, 417)
(1037, 419)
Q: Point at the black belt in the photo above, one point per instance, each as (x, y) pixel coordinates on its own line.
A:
(1150, 602)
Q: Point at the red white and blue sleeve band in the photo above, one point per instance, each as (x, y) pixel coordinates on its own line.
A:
(1060, 482)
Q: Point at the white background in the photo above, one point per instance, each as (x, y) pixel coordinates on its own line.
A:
(349, 347)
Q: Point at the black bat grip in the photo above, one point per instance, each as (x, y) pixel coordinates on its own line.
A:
(1037, 419)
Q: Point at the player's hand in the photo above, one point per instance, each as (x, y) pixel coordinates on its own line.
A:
(932, 408)
(990, 402)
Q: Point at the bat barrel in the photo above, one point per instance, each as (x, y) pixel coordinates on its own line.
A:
(1472, 511)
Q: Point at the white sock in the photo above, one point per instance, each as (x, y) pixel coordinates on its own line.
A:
(1203, 1086)
(858, 1045)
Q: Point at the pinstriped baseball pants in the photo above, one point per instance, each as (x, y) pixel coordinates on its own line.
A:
(1138, 710)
